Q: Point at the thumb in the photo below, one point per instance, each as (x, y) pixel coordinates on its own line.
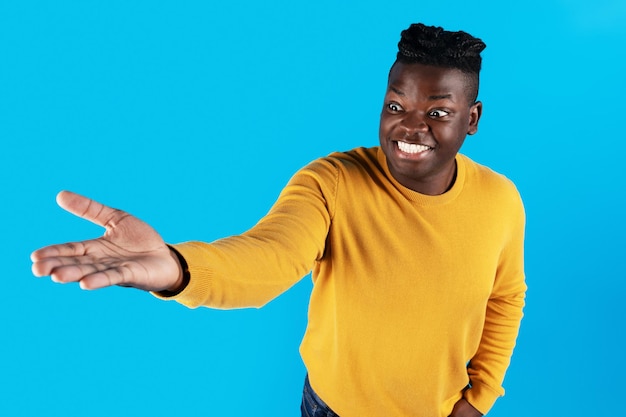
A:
(86, 208)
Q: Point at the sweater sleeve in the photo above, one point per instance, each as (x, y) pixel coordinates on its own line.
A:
(251, 269)
(504, 313)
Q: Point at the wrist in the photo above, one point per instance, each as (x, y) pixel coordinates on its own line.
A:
(183, 277)
(463, 408)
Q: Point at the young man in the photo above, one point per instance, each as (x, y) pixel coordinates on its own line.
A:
(416, 253)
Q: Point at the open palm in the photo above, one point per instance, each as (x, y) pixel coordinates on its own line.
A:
(130, 253)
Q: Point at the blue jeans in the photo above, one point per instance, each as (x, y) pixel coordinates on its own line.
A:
(312, 405)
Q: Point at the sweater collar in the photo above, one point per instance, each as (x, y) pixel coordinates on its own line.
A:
(424, 199)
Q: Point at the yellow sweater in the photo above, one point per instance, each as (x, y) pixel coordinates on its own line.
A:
(408, 288)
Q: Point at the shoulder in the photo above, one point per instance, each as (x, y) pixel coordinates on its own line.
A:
(354, 158)
(490, 184)
(347, 163)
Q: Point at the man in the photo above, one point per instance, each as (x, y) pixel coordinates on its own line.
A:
(416, 253)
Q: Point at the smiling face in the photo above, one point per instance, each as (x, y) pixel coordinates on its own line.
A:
(426, 115)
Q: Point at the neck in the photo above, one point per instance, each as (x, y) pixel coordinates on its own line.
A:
(434, 185)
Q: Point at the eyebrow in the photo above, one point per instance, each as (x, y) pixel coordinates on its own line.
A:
(440, 97)
(395, 90)
(430, 98)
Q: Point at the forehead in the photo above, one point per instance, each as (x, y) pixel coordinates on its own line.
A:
(417, 79)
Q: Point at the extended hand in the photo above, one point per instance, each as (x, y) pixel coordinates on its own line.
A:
(130, 254)
(462, 408)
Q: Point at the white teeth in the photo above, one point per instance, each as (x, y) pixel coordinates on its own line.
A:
(411, 147)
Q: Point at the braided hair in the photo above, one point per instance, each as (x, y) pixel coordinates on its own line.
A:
(432, 45)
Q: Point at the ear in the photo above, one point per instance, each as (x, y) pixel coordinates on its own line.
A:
(475, 112)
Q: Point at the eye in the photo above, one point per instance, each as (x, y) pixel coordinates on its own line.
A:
(438, 113)
(394, 107)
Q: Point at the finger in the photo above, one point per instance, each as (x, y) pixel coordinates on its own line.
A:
(47, 265)
(64, 249)
(119, 275)
(91, 276)
(89, 209)
(74, 273)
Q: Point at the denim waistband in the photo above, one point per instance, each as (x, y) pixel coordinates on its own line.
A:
(312, 404)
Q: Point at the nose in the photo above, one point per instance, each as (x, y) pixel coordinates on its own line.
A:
(414, 122)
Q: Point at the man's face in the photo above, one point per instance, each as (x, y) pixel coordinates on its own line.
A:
(425, 118)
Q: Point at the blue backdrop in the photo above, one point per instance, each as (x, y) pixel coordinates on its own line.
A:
(193, 115)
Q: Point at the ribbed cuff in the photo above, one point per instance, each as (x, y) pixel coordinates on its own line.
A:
(481, 397)
(197, 263)
(186, 276)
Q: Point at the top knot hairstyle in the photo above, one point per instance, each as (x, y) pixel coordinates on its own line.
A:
(432, 45)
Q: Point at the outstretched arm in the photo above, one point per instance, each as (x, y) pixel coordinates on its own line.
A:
(130, 253)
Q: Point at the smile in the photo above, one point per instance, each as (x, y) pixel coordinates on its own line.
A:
(412, 148)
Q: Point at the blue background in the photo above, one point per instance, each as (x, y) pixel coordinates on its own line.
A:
(193, 115)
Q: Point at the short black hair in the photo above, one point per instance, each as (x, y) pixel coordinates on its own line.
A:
(432, 45)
